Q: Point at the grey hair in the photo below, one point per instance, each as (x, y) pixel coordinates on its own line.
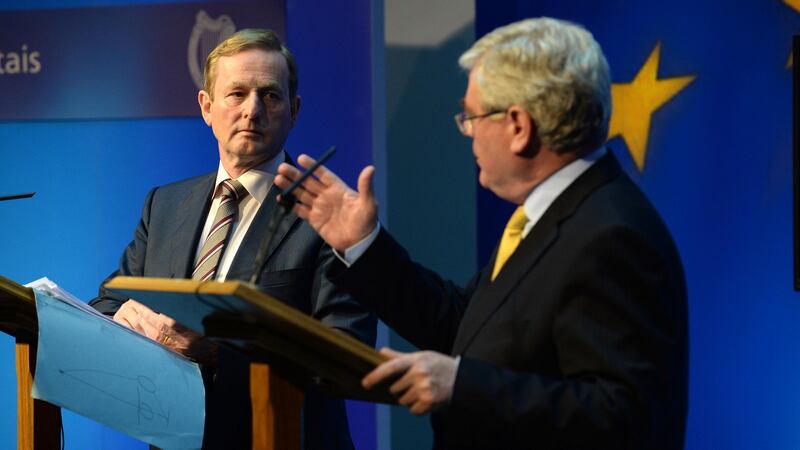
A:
(552, 68)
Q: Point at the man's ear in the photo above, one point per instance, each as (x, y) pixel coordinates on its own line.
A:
(522, 129)
(204, 99)
(295, 105)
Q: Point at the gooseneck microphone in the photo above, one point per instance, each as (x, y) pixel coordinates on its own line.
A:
(16, 196)
(286, 202)
(287, 196)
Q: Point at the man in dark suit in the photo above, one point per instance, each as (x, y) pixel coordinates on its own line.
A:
(210, 227)
(575, 334)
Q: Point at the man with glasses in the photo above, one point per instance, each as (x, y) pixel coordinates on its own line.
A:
(575, 333)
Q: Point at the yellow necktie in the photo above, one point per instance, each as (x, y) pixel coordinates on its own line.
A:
(512, 236)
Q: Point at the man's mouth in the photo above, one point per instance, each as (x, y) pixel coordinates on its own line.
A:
(251, 132)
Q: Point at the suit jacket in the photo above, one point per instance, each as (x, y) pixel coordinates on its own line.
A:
(164, 245)
(581, 340)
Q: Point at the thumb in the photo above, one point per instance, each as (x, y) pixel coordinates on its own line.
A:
(365, 182)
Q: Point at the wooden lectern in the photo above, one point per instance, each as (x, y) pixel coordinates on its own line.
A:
(38, 422)
(302, 353)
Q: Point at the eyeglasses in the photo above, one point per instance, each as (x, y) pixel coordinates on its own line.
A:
(464, 121)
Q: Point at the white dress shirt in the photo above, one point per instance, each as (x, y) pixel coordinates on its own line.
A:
(257, 181)
(546, 192)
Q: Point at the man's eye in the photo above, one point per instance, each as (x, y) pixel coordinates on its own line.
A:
(272, 96)
(236, 94)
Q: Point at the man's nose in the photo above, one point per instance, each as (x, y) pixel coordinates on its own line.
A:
(252, 108)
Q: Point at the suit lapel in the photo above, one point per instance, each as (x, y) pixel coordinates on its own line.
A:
(242, 264)
(489, 296)
(192, 212)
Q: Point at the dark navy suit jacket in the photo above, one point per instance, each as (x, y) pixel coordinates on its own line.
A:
(581, 340)
(164, 245)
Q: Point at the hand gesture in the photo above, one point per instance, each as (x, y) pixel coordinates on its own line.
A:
(340, 215)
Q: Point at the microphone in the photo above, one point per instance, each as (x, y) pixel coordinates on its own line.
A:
(18, 196)
(286, 203)
(287, 195)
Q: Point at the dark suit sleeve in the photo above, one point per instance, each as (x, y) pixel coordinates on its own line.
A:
(617, 338)
(337, 308)
(417, 303)
(130, 264)
(614, 332)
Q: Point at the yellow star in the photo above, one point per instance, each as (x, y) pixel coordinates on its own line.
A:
(634, 104)
(795, 5)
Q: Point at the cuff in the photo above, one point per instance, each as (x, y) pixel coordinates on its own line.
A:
(351, 254)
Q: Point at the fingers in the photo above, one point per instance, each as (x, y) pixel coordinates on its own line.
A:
(425, 380)
(386, 351)
(152, 326)
(187, 342)
(291, 173)
(403, 385)
(126, 317)
(386, 370)
(168, 326)
(143, 320)
(168, 321)
(312, 187)
(322, 172)
(417, 400)
(321, 178)
(411, 389)
(305, 196)
(287, 174)
(130, 315)
(166, 331)
(301, 210)
(124, 322)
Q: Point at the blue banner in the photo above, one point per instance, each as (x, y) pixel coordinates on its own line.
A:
(702, 120)
(116, 62)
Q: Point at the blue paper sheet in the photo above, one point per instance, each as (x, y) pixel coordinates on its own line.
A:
(110, 374)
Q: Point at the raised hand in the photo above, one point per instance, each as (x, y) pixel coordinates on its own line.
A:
(340, 215)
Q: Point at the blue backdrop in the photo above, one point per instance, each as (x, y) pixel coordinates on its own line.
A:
(91, 178)
(78, 61)
(717, 164)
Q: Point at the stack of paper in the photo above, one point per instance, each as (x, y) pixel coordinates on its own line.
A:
(90, 364)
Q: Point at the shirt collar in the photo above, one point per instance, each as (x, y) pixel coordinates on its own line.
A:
(257, 180)
(543, 195)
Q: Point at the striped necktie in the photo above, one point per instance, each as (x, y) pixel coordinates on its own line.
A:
(512, 236)
(230, 192)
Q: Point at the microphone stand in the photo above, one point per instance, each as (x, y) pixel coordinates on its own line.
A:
(16, 196)
(283, 207)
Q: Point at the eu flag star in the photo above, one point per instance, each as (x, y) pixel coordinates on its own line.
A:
(634, 104)
(795, 5)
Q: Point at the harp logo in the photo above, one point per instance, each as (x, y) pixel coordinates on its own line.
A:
(206, 34)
